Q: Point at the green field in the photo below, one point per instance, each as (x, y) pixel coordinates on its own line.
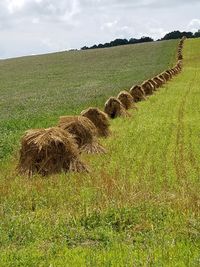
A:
(139, 206)
(35, 91)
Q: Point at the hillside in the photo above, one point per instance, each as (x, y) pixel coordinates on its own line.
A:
(34, 91)
(139, 206)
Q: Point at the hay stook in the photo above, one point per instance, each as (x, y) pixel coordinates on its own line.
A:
(147, 88)
(158, 82)
(99, 119)
(84, 132)
(114, 108)
(162, 78)
(49, 151)
(137, 93)
(127, 100)
(153, 84)
(166, 76)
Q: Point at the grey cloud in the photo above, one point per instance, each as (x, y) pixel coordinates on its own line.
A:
(40, 26)
(136, 3)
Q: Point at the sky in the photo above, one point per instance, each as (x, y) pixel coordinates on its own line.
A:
(29, 27)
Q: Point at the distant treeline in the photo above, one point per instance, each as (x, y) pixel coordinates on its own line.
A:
(168, 36)
(118, 42)
(179, 35)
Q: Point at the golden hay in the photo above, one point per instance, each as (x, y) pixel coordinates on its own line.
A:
(126, 99)
(173, 70)
(114, 108)
(49, 151)
(180, 64)
(100, 120)
(147, 87)
(153, 84)
(162, 78)
(66, 119)
(178, 67)
(158, 81)
(180, 45)
(84, 132)
(166, 76)
(170, 72)
(137, 93)
(176, 70)
(180, 56)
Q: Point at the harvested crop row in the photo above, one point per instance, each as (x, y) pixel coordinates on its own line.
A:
(58, 149)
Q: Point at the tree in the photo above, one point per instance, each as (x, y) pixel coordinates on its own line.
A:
(197, 34)
(84, 48)
(145, 39)
(117, 42)
(177, 35)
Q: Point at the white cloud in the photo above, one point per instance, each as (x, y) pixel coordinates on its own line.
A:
(35, 20)
(40, 26)
(14, 5)
(109, 25)
(157, 33)
(53, 45)
(194, 25)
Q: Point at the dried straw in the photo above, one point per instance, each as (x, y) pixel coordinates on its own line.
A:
(114, 108)
(84, 132)
(49, 151)
(99, 119)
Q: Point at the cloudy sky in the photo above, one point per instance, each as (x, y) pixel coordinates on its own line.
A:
(42, 26)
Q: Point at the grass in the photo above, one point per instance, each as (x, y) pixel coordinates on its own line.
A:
(140, 204)
(35, 91)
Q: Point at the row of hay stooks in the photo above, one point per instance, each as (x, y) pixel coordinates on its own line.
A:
(58, 149)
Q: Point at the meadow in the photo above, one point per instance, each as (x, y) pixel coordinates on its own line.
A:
(140, 204)
(35, 91)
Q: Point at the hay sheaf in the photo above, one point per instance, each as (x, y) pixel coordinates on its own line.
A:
(180, 64)
(99, 119)
(162, 78)
(126, 99)
(174, 72)
(137, 93)
(158, 82)
(170, 72)
(180, 56)
(114, 108)
(166, 76)
(84, 132)
(147, 88)
(153, 84)
(49, 151)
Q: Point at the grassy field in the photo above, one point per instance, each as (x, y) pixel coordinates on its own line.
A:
(35, 91)
(139, 206)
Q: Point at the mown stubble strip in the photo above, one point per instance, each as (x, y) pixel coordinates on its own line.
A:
(180, 157)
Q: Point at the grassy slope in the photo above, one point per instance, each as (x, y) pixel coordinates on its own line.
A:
(138, 207)
(34, 91)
